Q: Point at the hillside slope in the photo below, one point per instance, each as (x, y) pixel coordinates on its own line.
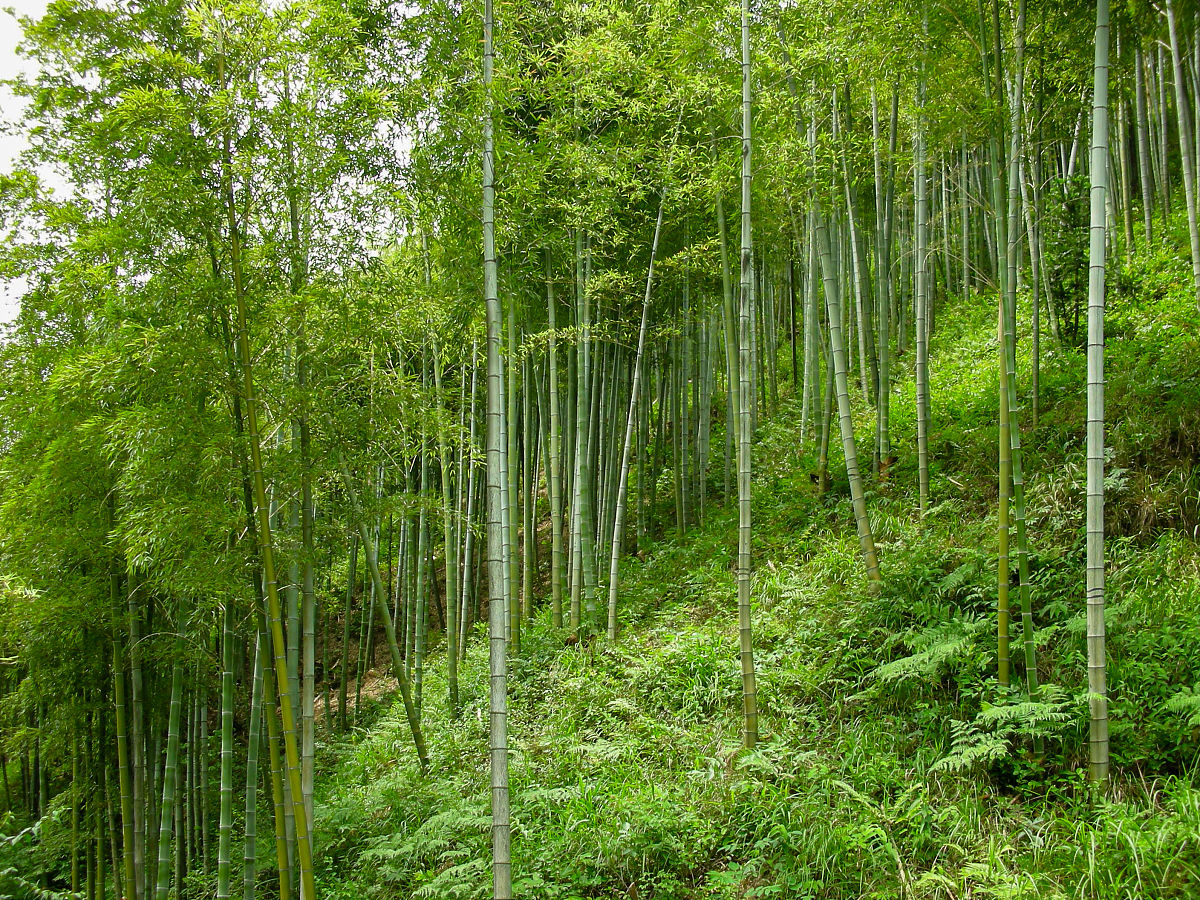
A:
(891, 766)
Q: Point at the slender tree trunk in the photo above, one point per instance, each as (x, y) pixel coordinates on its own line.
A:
(326, 628)
(883, 448)
(752, 335)
(253, 741)
(744, 572)
(469, 540)
(131, 874)
(364, 535)
(225, 839)
(137, 739)
(554, 460)
(266, 548)
(826, 417)
(450, 544)
(163, 879)
(270, 698)
(845, 419)
(964, 212)
(1005, 215)
(729, 319)
(791, 293)
(107, 823)
(528, 488)
(351, 577)
(1097, 670)
(423, 570)
(946, 243)
(579, 455)
(921, 236)
(812, 339)
(1164, 129)
(643, 465)
(498, 690)
(1194, 75)
(630, 419)
(1186, 146)
(1123, 169)
(183, 805)
(76, 803)
(1143, 141)
(1033, 230)
(704, 435)
(683, 431)
(512, 481)
(591, 417)
(1003, 565)
(867, 364)
(308, 626)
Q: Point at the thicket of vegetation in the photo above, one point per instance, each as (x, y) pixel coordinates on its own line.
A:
(602, 450)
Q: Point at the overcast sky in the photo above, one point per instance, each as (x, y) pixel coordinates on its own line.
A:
(10, 145)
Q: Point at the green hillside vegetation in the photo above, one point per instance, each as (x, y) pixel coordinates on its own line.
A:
(657, 451)
(888, 765)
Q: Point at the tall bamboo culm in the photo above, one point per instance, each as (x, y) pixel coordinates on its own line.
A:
(1097, 669)
(497, 616)
(749, 691)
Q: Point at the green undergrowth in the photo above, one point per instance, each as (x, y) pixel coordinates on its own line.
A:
(1152, 397)
(891, 763)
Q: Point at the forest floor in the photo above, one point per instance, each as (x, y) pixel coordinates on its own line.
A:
(891, 764)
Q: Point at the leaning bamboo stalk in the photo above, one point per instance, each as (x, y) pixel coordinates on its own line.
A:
(275, 768)
(266, 547)
(845, 421)
(635, 388)
(364, 535)
(451, 545)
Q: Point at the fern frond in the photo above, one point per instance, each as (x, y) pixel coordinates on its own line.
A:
(1187, 703)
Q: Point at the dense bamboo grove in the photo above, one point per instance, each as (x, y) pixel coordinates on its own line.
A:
(270, 421)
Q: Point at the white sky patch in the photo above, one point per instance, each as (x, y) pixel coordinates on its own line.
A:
(11, 145)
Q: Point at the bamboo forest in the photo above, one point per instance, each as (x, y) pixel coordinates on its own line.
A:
(562, 449)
